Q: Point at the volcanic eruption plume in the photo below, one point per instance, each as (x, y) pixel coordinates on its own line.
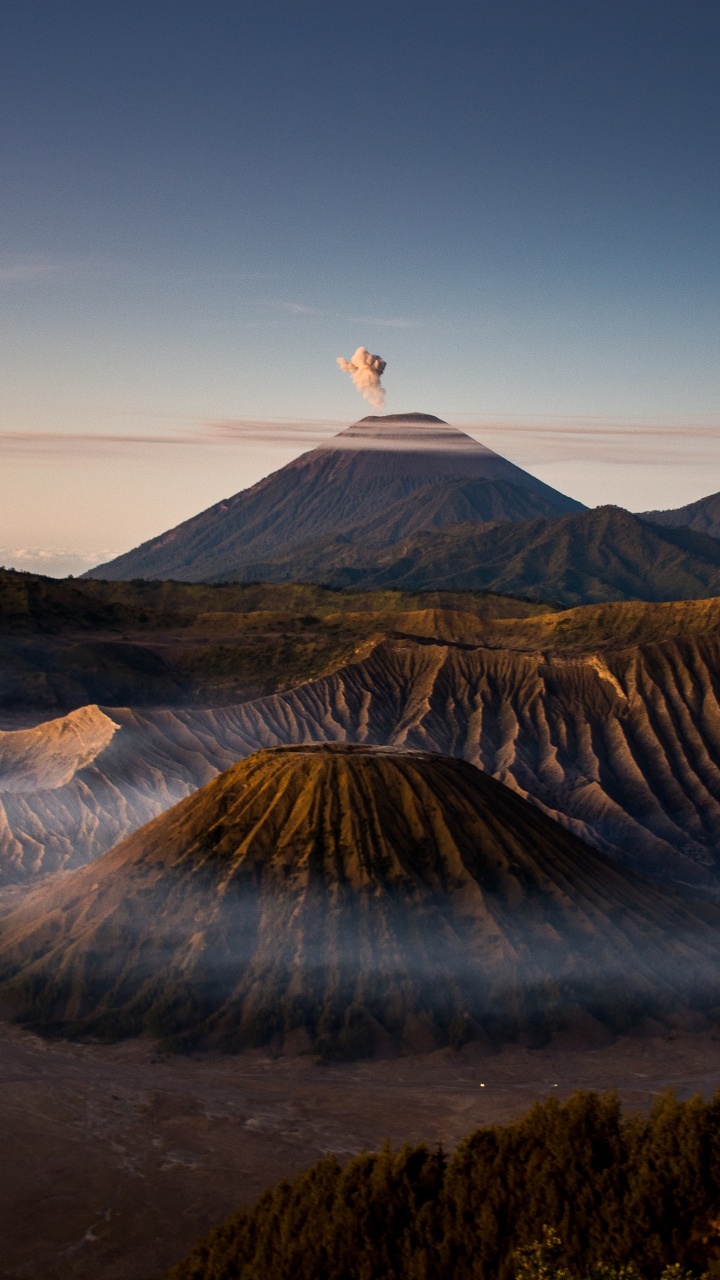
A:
(366, 371)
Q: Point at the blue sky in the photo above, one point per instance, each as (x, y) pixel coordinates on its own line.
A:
(515, 204)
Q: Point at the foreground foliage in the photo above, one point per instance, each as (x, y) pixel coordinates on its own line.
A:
(570, 1191)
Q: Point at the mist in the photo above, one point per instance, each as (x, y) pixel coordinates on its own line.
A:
(193, 961)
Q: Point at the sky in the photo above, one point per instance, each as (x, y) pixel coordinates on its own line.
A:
(205, 202)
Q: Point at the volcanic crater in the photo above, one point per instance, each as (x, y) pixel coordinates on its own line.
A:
(351, 900)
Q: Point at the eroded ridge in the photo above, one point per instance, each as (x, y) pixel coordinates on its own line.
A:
(622, 746)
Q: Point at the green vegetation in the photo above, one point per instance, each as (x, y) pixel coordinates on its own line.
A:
(543, 1260)
(570, 1191)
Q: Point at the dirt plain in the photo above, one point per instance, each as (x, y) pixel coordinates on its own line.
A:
(114, 1159)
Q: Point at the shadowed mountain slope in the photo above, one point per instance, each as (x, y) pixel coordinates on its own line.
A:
(702, 516)
(606, 717)
(353, 896)
(373, 464)
(586, 558)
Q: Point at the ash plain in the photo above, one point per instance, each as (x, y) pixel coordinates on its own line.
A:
(116, 1158)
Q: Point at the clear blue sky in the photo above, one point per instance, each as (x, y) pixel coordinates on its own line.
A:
(204, 203)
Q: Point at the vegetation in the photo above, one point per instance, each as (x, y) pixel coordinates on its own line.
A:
(66, 643)
(29, 601)
(702, 516)
(570, 1191)
(584, 558)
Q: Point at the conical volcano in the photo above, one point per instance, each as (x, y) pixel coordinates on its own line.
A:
(378, 462)
(354, 896)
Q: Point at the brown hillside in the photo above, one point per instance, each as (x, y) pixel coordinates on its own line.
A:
(351, 898)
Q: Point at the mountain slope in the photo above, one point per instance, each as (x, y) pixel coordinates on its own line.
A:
(702, 516)
(444, 503)
(353, 894)
(63, 646)
(375, 463)
(606, 717)
(585, 558)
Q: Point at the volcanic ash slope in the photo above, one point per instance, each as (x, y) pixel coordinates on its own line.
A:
(349, 899)
(607, 717)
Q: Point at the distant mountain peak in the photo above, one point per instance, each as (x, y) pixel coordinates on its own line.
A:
(408, 432)
(701, 516)
(357, 475)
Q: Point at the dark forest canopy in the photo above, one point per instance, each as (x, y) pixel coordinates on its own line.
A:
(577, 1189)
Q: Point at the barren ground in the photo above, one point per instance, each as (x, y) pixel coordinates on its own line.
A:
(114, 1160)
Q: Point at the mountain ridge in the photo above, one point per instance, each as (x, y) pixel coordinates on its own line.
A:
(597, 555)
(703, 516)
(604, 717)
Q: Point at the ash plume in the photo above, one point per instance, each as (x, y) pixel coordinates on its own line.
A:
(366, 371)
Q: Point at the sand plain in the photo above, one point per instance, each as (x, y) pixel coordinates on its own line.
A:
(114, 1158)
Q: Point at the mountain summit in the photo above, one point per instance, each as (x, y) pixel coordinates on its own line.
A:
(349, 897)
(369, 467)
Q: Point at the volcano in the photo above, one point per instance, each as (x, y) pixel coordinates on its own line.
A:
(370, 467)
(348, 898)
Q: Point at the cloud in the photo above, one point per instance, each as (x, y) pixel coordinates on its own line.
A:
(53, 562)
(58, 442)
(28, 271)
(389, 322)
(299, 309)
(535, 441)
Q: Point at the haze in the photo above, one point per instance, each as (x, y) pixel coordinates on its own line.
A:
(205, 205)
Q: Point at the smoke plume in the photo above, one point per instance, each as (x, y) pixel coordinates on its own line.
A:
(366, 372)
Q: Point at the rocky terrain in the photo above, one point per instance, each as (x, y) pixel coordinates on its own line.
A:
(345, 898)
(606, 717)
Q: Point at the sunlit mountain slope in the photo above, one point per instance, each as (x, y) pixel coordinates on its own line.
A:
(352, 898)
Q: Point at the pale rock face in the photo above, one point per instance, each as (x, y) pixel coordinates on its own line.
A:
(49, 756)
